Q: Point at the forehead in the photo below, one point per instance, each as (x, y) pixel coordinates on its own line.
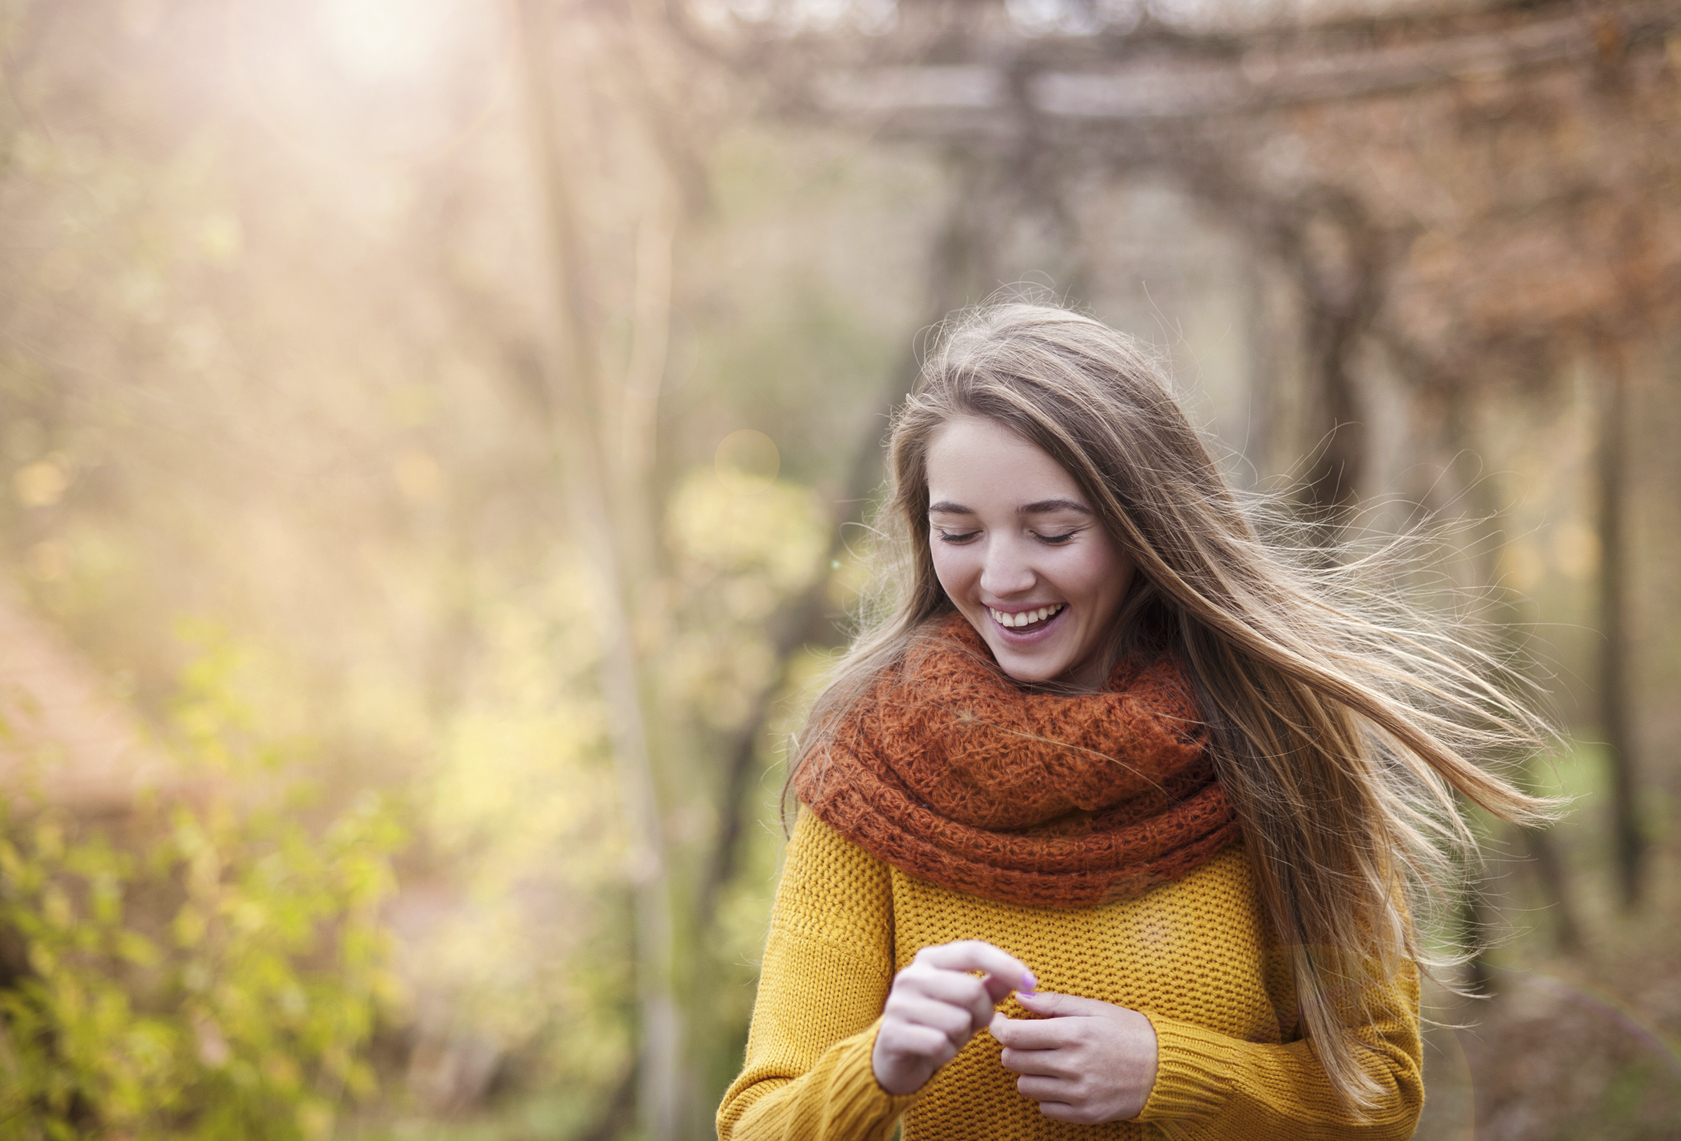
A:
(978, 462)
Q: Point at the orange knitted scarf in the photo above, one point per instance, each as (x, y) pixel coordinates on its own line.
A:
(951, 772)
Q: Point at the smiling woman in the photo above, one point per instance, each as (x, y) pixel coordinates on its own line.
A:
(1116, 784)
(1022, 555)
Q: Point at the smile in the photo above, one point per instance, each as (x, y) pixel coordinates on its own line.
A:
(1026, 618)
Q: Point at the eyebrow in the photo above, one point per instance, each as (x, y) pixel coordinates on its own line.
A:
(1039, 507)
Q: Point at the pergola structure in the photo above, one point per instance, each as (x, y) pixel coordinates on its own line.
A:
(1457, 185)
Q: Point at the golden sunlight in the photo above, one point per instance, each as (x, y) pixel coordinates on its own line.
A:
(380, 40)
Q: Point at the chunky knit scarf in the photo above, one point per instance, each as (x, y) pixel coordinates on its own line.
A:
(952, 773)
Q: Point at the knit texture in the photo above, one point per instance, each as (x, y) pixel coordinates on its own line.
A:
(952, 772)
(1197, 956)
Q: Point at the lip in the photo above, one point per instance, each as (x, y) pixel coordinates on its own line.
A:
(1018, 638)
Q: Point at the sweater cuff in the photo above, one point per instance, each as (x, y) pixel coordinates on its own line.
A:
(1193, 1071)
(840, 1097)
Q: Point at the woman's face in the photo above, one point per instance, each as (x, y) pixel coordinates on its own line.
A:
(1022, 554)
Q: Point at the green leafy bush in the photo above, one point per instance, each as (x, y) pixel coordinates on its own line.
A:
(209, 968)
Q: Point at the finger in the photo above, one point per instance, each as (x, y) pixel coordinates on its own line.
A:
(1031, 1033)
(998, 987)
(1038, 1063)
(1043, 1089)
(964, 993)
(1049, 1004)
(955, 987)
(953, 1021)
(1066, 1111)
(974, 955)
(909, 1040)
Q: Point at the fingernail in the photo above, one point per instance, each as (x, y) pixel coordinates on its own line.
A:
(1029, 983)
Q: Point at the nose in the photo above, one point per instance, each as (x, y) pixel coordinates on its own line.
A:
(1006, 569)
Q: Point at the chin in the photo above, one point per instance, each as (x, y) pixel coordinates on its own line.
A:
(1029, 673)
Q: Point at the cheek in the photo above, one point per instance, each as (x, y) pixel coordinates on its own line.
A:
(1118, 576)
(1105, 575)
(1114, 576)
(951, 567)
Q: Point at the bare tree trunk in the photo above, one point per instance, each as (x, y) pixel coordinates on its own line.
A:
(1629, 840)
(604, 436)
(1549, 869)
(1475, 923)
(1339, 261)
(1503, 615)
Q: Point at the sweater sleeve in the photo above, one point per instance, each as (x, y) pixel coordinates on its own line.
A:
(827, 968)
(1210, 1085)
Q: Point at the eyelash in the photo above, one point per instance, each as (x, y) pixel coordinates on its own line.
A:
(965, 536)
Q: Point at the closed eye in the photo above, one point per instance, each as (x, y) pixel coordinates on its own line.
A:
(1056, 540)
(955, 537)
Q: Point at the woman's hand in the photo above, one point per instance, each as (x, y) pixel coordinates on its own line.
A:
(935, 1007)
(1084, 1062)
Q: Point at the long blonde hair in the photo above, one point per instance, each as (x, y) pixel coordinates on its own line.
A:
(1343, 722)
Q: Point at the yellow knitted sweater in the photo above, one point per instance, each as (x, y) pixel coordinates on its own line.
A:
(1196, 956)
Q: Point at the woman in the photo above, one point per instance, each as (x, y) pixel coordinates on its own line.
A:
(1113, 783)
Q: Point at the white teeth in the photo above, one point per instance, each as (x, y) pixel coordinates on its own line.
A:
(1026, 617)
